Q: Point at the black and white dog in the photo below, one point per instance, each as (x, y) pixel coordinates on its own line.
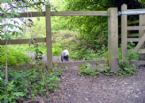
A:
(65, 55)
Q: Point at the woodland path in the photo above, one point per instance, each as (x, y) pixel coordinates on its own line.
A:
(101, 89)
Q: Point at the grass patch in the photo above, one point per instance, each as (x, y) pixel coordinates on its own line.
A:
(87, 70)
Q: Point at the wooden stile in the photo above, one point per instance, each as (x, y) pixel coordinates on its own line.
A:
(132, 39)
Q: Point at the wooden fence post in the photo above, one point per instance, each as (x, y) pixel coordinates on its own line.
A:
(48, 37)
(141, 34)
(113, 39)
(124, 32)
(141, 23)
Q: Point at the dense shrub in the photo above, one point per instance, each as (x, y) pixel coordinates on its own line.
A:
(27, 84)
(14, 56)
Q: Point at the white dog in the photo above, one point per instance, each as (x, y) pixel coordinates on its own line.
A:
(65, 55)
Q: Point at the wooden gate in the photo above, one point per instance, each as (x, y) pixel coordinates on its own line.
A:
(139, 38)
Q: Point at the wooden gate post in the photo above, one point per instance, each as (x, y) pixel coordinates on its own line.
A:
(113, 39)
(141, 24)
(141, 35)
(48, 37)
(124, 32)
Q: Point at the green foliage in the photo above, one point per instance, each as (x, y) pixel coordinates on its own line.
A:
(53, 82)
(87, 70)
(5, 22)
(131, 45)
(88, 5)
(84, 54)
(57, 49)
(11, 11)
(126, 69)
(92, 34)
(27, 84)
(90, 70)
(103, 68)
(8, 92)
(38, 29)
(57, 5)
(59, 23)
(37, 5)
(15, 56)
(132, 55)
(79, 52)
(64, 39)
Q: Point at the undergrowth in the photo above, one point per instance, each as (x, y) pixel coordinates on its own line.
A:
(26, 84)
(15, 56)
(88, 70)
(126, 69)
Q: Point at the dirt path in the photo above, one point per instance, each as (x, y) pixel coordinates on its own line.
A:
(101, 89)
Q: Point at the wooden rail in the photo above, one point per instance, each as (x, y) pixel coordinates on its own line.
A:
(136, 28)
(80, 13)
(63, 13)
(133, 39)
(21, 41)
(135, 35)
(141, 51)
